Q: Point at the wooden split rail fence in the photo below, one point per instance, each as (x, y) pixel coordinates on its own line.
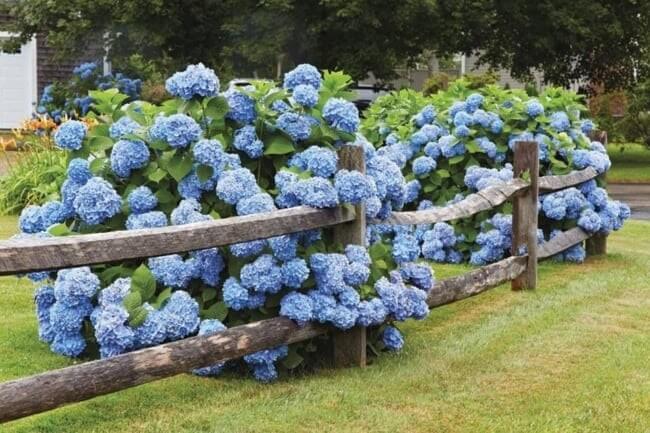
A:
(46, 391)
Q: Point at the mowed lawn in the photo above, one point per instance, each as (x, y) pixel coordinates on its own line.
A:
(573, 356)
(630, 163)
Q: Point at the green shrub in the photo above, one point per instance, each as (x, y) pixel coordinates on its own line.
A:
(35, 179)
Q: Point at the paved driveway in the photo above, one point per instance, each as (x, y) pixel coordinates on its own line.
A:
(635, 195)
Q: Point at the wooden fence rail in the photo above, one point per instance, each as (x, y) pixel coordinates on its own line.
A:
(42, 392)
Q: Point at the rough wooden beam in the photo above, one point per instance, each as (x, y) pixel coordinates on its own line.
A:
(19, 256)
(556, 183)
(349, 347)
(42, 392)
(476, 281)
(524, 212)
(561, 242)
(474, 203)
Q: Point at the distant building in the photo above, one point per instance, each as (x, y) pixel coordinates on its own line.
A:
(24, 74)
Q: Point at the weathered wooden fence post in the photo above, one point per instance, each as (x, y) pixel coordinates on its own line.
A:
(524, 213)
(597, 244)
(350, 346)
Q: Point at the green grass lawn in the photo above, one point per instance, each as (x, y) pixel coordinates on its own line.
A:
(569, 357)
(630, 163)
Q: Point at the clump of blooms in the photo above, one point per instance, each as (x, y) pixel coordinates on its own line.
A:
(461, 141)
(195, 81)
(240, 152)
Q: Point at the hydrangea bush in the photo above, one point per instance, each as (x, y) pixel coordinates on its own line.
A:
(71, 98)
(213, 153)
(460, 141)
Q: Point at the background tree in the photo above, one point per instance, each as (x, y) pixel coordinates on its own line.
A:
(601, 41)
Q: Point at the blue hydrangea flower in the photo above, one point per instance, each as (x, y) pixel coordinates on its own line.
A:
(71, 345)
(69, 191)
(263, 363)
(560, 121)
(127, 156)
(115, 293)
(123, 127)
(284, 247)
(478, 178)
(247, 141)
(341, 114)
(463, 118)
(242, 107)
(208, 265)
(392, 338)
(258, 203)
(356, 274)
(177, 130)
(358, 254)
(328, 270)
(294, 125)
(171, 270)
(188, 212)
(113, 335)
(85, 70)
(406, 248)
(473, 102)
(44, 300)
(97, 201)
(294, 272)
(302, 74)
(388, 178)
(31, 220)
(319, 160)
(354, 187)
(210, 327)
(587, 126)
(181, 315)
(196, 80)
(323, 305)
(589, 221)
(263, 275)
(70, 135)
(371, 313)
(153, 330)
(315, 192)
(423, 165)
(235, 296)
(75, 286)
(247, 249)
(147, 220)
(343, 317)
(66, 319)
(297, 307)
(211, 153)
(426, 116)
(79, 171)
(305, 95)
(534, 108)
(235, 185)
(142, 200)
(450, 146)
(421, 275)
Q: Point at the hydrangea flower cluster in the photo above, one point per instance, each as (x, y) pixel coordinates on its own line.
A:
(183, 163)
(461, 141)
(195, 81)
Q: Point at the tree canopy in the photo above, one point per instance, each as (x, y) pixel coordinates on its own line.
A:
(602, 41)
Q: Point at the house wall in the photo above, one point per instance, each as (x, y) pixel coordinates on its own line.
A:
(50, 69)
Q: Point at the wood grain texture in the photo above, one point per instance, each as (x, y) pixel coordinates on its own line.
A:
(596, 245)
(472, 204)
(18, 256)
(42, 392)
(476, 281)
(524, 212)
(561, 242)
(556, 183)
(349, 347)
